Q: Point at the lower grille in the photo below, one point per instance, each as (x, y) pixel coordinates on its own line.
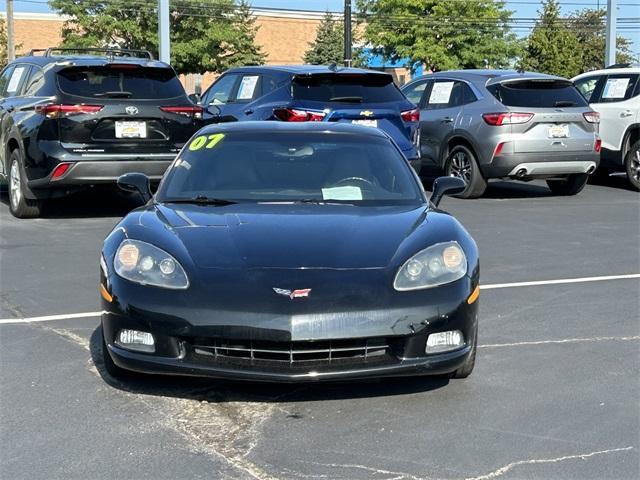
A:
(294, 352)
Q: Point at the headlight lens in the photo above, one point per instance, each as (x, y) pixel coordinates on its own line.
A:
(439, 264)
(146, 264)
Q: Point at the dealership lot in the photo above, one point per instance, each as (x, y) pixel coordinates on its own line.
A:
(554, 394)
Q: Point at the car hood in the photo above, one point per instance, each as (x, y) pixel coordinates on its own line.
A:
(289, 236)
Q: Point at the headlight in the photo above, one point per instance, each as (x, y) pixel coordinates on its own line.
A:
(143, 263)
(439, 264)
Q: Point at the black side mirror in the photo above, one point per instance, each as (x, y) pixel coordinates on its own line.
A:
(194, 97)
(136, 183)
(446, 186)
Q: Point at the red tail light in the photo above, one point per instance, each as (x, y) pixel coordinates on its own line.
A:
(598, 145)
(498, 149)
(592, 117)
(192, 111)
(60, 170)
(296, 115)
(57, 110)
(498, 119)
(123, 66)
(411, 115)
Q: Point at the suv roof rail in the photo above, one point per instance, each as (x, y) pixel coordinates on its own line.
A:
(623, 65)
(109, 52)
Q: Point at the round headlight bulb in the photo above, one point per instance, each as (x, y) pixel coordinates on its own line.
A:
(452, 257)
(167, 266)
(146, 263)
(128, 256)
(414, 269)
(435, 265)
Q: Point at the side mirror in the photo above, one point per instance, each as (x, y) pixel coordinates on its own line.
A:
(446, 186)
(195, 98)
(136, 183)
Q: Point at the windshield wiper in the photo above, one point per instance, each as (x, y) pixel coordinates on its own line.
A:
(346, 99)
(317, 201)
(114, 94)
(201, 200)
(564, 103)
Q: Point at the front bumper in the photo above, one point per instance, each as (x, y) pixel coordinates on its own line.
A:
(402, 330)
(541, 165)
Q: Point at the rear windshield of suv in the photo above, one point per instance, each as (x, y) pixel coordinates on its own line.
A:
(346, 88)
(120, 82)
(538, 94)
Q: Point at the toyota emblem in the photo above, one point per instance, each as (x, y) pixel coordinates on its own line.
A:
(131, 110)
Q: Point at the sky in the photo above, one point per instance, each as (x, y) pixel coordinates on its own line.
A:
(521, 9)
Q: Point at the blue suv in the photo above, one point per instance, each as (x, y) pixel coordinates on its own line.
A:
(315, 93)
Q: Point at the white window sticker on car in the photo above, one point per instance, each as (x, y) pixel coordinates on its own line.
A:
(615, 88)
(348, 192)
(15, 80)
(247, 87)
(441, 92)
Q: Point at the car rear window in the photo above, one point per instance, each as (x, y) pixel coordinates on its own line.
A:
(120, 82)
(346, 88)
(538, 94)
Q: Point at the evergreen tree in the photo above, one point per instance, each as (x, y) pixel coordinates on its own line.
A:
(552, 47)
(3, 43)
(328, 47)
(246, 51)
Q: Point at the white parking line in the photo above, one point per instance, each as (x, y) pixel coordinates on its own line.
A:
(491, 286)
(560, 281)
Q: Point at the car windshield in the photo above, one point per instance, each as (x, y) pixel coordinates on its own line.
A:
(538, 94)
(320, 167)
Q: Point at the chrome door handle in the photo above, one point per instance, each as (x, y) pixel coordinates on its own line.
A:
(447, 120)
(248, 111)
(626, 113)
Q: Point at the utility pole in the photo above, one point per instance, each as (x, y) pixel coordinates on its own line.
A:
(347, 33)
(610, 50)
(11, 39)
(163, 31)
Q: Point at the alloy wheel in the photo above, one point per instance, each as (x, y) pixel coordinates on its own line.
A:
(635, 165)
(15, 191)
(460, 166)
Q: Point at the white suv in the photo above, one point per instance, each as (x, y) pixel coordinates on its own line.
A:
(615, 94)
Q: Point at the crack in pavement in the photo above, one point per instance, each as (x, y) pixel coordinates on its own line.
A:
(566, 340)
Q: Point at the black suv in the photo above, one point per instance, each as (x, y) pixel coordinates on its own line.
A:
(71, 118)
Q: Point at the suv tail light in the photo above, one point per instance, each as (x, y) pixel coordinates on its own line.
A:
(592, 117)
(192, 111)
(296, 115)
(597, 146)
(411, 115)
(60, 170)
(58, 110)
(498, 119)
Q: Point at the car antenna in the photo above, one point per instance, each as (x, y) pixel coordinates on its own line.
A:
(333, 67)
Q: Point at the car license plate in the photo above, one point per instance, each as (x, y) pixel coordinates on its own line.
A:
(131, 130)
(559, 131)
(366, 123)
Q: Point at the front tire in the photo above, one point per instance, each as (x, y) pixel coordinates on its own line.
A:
(571, 185)
(465, 370)
(462, 163)
(632, 165)
(20, 206)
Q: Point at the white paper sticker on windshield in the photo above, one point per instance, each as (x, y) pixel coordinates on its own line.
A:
(615, 88)
(15, 80)
(342, 193)
(247, 87)
(441, 92)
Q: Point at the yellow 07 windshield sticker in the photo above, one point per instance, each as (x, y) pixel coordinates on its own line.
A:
(205, 141)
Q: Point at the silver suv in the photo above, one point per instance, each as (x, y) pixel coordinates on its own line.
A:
(484, 124)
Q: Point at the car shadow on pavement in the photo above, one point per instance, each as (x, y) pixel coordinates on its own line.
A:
(619, 181)
(505, 189)
(92, 203)
(222, 391)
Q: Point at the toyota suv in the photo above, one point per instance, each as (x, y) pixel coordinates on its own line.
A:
(71, 118)
(615, 94)
(485, 124)
(315, 93)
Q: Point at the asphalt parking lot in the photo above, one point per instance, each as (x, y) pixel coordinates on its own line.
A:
(554, 394)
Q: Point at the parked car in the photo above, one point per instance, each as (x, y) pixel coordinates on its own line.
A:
(485, 124)
(71, 118)
(313, 93)
(328, 262)
(615, 94)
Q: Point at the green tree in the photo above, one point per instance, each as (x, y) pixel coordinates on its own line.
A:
(204, 34)
(3, 43)
(552, 47)
(589, 27)
(328, 47)
(246, 51)
(441, 34)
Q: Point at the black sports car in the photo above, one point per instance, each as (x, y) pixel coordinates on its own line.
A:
(290, 252)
